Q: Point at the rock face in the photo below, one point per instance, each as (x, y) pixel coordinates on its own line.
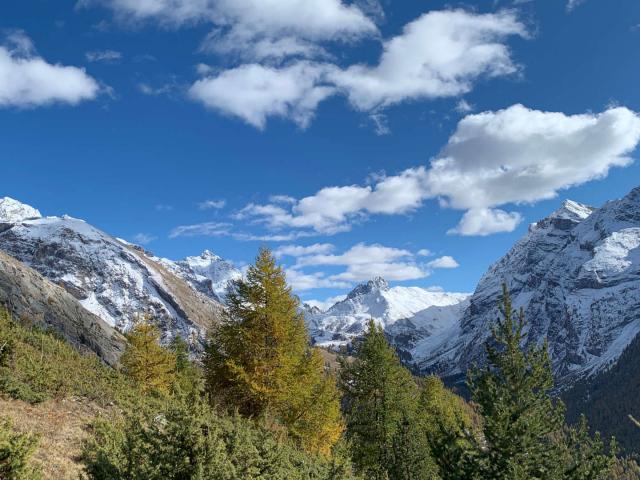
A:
(111, 278)
(577, 276)
(409, 315)
(30, 296)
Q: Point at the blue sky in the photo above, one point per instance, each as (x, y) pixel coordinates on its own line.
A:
(391, 132)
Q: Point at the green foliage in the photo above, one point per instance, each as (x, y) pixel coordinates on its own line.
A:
(187, 439)
(625, 468)
(608, 398)
(380, 405)
(39, 365)
(259, 361)
(146, 362)
(15, 451)
(188, 376)
(523, 432)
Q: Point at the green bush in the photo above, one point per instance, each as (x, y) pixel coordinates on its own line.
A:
(15, 451)
(36, 365)
(188, 440)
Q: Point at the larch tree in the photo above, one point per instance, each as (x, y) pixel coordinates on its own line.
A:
(149, 364)
(259, 360)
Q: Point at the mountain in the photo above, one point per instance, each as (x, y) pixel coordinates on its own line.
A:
(409, 315)
(111, 278)
(576, 274)
(207, 273)
(33, 298)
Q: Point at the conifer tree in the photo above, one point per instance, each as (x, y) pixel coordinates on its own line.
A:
(380, 399)
(150, 365)
(259, 360)
(523, 432)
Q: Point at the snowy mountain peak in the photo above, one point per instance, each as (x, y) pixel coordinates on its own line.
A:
(209, 255)
(13, 211)
(377, 283)
(571, 210)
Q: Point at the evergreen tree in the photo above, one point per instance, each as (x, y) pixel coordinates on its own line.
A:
(188, 375)
(150, 365)
(259, 360)
(380, 401)
(523, 432)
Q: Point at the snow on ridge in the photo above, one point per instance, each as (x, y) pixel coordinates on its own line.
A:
(13, 211)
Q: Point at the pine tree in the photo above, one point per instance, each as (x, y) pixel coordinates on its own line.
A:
(380, 399)
(150, 365)
(259, 360)
(523, 432)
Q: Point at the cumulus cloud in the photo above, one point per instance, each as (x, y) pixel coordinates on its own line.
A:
(364, 262)
(212, 204)
(255, 29)
(520, 155)
(486, 221)
(27, 80)
(107, 56)
(425, 252)
(440, 54)
(463, 106)
(443, 262)
(511, 156)
(301, 281)
(254, 92)
(332, 209)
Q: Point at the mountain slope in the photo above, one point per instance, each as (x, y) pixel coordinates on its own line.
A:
(30, 296)
(577, 276)
(109, 277)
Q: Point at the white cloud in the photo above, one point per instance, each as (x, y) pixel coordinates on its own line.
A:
(463, 106)
(332, 209)
(326, 304)
(164, 89)
(203, 69)
(282, 199)
(424, 252)
(163, 208)
(299, 250)
(486, 221)
(443, 262)
(301, 281)
(212, 204)
(520, 155)
(511, 156)
(389, 271)
(440, 54)
(27, 80)
(107, 56)
(143, 238)
(254, 29)
(209, 229)
(364, 262)
(254, 92)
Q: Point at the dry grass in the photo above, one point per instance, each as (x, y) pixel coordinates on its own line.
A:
(62, 426)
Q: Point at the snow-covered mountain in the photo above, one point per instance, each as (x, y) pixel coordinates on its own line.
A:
(113, 279)
(208, 273)
(409, 315)
(576, 273)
